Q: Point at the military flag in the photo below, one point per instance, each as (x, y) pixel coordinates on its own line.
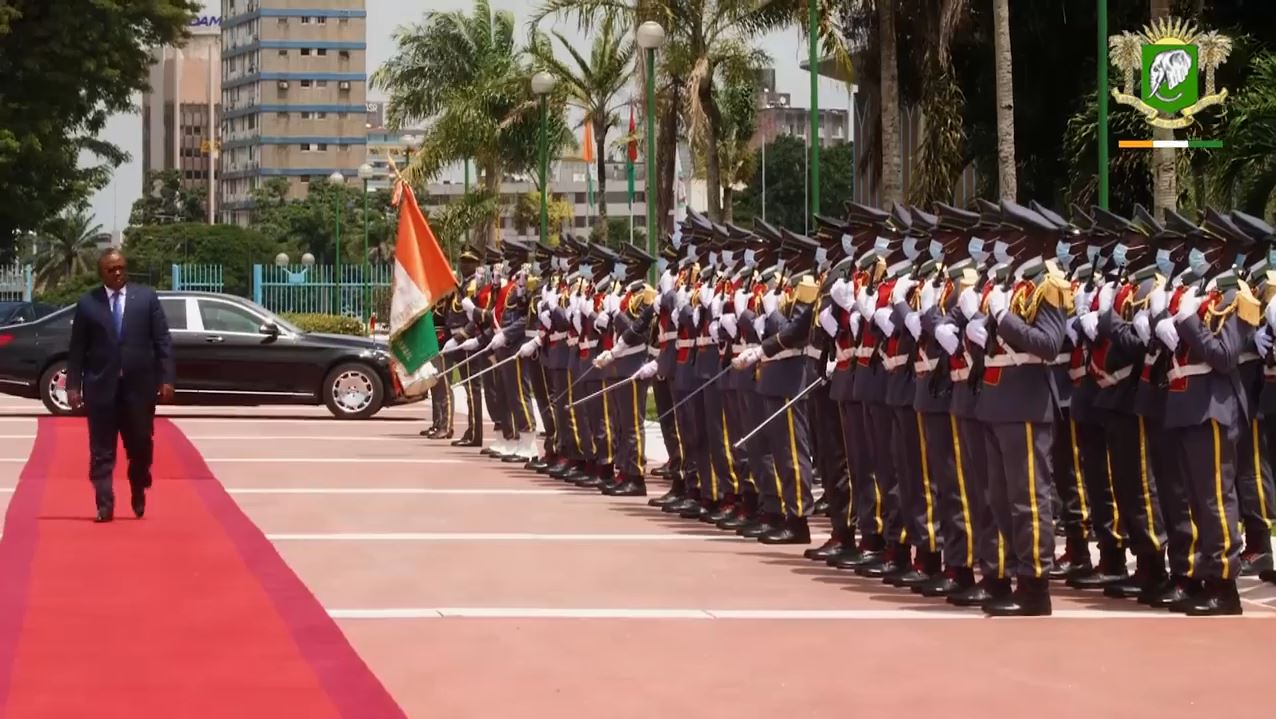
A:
(422, 276)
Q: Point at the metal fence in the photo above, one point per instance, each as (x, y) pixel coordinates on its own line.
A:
(198, 278)
(319, 289)
(17, 282)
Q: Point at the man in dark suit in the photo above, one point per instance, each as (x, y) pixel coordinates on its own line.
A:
(120, 363)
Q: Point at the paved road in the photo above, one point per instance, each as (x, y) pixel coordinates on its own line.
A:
(472, 587)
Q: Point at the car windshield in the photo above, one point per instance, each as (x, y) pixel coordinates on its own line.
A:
(285, 324)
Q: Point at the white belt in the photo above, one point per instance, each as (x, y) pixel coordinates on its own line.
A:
(1105, 379)
(1013, 359)
(783, 354)
(1189, 370)
(1076, 373)
(532, 334)
(864, 352)
(666, 336)
(1063, 358)
(684, 344)
(895, 362)
(813, 352)
(960, 374)
(630, 351)
(653, 351)
(922, 366)
(739, 347)
(589, 344)
(573, 341)
(704, 342)
(1247, 357)
(557, 336)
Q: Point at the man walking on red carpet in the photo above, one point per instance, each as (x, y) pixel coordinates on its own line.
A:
(120, 363)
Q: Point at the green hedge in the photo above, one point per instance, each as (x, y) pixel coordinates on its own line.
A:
(328, 324)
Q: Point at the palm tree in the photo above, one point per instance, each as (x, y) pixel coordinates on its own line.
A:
(888, 91)
(464, 76)
(1164, 166)
(1245, 174)
(593, 85)
(1008, 187)
(65, 247)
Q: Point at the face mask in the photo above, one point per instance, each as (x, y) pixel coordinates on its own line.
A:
(1196, 261)
(821, 257)
(1118, 255)
(713, 259)
(1063, 253)
(936, 250)
(586, 269)
(1000, 250)
(662, 264)
(1271, 257)
(910, 248)
(1164, 263)
(881, 245)
(727, 257)
(691, 249)
(619, 270)
(1091, 253)
(750, 258)
(976, 248)
(848, 246)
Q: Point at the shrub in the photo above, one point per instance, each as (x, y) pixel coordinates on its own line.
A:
(328, 324)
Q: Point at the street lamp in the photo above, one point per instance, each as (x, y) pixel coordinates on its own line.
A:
(365, 174)
(542, 85)
(410, 143)
(650, 37)
(339, 180)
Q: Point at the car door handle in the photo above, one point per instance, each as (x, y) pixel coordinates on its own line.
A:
(214, 339)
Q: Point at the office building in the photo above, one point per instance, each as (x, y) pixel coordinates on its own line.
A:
(179, 110)
(294, 93)
(383, 144)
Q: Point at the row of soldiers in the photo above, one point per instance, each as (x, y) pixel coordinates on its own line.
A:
(963, 386)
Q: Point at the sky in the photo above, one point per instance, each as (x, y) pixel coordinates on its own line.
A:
(112, 204)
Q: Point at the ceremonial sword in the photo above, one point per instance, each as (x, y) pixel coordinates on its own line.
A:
(695, 392)
(604, 390)
(819, 381)
(473, 377)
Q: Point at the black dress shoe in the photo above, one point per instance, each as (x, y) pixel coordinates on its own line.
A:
(986, 590)
(441, 435)
(467, 443)
(1219, 598)
(1111, 570)
(952, 581)
(104, 515)
(673, 496)
(628, 488)
(429, 432)
(1030, 599)
(759, 526)
(821, 553)
(794, 530)
(139, 505)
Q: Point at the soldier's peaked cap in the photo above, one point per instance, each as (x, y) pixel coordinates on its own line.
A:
(762, 228)
(865, 216)
(901, 219)
(1111, 222)
(954, 218)
(1022, 218)
(923, 222)
(1179, 225)
(1055, 218)
(1220, 226)
(1255, 227)
(635, 252)
(1147, 223)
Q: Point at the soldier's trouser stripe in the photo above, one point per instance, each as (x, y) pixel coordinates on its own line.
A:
(677, 431)
(797, 466)
(726, 448)
(639, 432)
(1078, 472)
(930, 501)
(1146, 484)
(850, 490)
(1218, 499)
(1258, 474)
(1001, 555)
(571, 414)
(1191, 552)
(961, 493)
(1032, 500)
(611, 445)
(522, 396)
(1116, 511)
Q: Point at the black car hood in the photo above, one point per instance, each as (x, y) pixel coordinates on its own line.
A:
(334, 340)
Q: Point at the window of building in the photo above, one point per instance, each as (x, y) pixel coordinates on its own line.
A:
(321, 83)
(321, 51)
(305, 51)
(345, 54)
(306, 20)
(305, 179)
(281, 116)
(283, 53)
(284, 20)
(321, 20)
(307, 83)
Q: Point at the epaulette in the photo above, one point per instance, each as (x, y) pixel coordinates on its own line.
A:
(533, 283)
(1269, 287)
(807, 291)
(1248, 307)
(1056, 291)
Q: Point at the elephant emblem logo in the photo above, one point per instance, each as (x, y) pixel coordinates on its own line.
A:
(1172, 55)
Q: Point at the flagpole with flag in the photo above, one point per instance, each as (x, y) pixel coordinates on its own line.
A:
(588, 156)
(422, 276)
(631, 157)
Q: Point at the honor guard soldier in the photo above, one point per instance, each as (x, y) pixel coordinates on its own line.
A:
(464, 342)
(513, 377)
(540, 288)
(666, 340)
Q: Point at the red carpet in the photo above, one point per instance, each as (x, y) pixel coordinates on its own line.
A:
(187, 613)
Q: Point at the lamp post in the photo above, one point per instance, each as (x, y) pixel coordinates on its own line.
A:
(337, 179)
(365, 174)
(650, 37)
(542, 85)
(410, 143)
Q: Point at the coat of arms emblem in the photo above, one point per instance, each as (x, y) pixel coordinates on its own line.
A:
(1171, 54)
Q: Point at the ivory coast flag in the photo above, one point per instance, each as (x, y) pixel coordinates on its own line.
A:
(422, 276)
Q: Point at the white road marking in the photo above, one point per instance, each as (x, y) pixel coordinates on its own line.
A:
(728, 614)
(494, 537)
(391, 490)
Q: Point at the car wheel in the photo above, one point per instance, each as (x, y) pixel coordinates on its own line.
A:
(53, 390)
(353, 391)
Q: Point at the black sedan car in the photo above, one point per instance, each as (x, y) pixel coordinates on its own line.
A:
(229, 352)
(17, 312)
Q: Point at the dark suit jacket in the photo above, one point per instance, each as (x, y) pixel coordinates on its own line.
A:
(102, 365)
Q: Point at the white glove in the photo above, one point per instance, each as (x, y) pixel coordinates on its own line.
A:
(728, 324)
(1081, 305)
(913, 321)
(740, 301)
(1263, 340)
(601, 321)
(713, 331)
(976, 332)
(946, 335)
(1158, 300)
(603, 359)
(845, 354)
(930, 294)
(759, 326)
(545, 320)
(706, 296)
(1070, 329)
(830, 368)
(882, 318)
(1089, 324)
(684, 298)
(828, 322)
(498, 341)
(667, 281)
(467, 304)
(968, 302)
(450, 345)
(529, 348)
(573, 303)
(1189, 303)
(470, 345)
(747, 358)
(1141, 326)
(1105, 297)
(646, 371)
(715, 310)
(841, 292)
(1166, 332)
(854, 322)
(866, 303)
(902, 286)
(998, 303)
(770, 301)
(695, 315)
(1270, 313)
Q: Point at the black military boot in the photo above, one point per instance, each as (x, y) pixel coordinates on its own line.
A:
(628, 487)
(1257, 557)
(563, 469)
(593, 477)
(764, 523)
(700, 509)
(1175, 590)
(744, 513)
(726, 508)
(1075, 560)
(1218, 599)
(927, 566)
(1193, 591)
(675, 494)
(1030, 599)
(952, 581)
(838, 538)
(690, 499)
(1111, 569)
(895, 560)
(792, 530)
(870, 551)
(1149, 570)
(988, 589)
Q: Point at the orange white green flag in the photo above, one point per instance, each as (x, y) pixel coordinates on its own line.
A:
(422, 276)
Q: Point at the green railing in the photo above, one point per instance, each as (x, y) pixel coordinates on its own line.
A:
(198, 278)
(318, 288)
(17, 283)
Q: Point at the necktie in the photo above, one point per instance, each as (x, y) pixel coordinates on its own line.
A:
(116, 313)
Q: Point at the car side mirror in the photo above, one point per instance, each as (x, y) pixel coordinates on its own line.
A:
(270, 328)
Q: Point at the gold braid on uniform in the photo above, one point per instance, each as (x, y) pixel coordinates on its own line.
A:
(1026, 300)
